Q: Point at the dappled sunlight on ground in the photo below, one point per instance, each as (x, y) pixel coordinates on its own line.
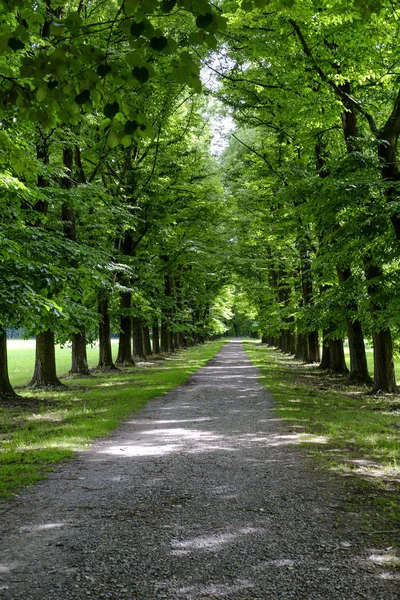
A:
(209, 543)
(203, 494)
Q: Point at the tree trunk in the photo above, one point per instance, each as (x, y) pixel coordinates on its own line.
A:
(6, 389)
(326, 352)
(313, 347)
(125, 322)
(164, 337)
(176, 342)
(79, 364)
(137, 337)
(302, 347)
(105, 349)
(156, 338)
(146, 340)
(337, 360)
(171, 346)
(45, 374)
(384, 375)
(358, 358)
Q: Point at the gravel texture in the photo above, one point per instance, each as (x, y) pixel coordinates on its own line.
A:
(202, 494)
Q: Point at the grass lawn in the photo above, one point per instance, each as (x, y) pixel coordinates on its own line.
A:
(21, 359)
(45, 427)
(351, 431)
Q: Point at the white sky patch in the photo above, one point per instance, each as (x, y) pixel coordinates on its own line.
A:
(221, 122)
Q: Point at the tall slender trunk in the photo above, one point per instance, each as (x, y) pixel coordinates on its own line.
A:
(45, 374)
(137, 337)
(105, 348)
(337, 359)
(156, 338)
(301, 347)
(125, 335)
(384, 375)
(313, 347)
(146, 340)
(358, 358)
(6, 389)
(164, 346)
(79, 364)
(326, 352)
(167, 344)
(171, 346)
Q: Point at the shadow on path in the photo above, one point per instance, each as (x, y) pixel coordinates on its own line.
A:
(201, 495)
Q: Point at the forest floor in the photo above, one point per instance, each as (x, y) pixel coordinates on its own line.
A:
(200, 495)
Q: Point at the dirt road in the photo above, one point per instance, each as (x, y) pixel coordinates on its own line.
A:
(200, 495)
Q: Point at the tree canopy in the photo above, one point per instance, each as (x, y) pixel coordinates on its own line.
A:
(118, 215)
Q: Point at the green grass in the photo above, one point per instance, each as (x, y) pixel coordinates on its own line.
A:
(370, 362)
(21, 360)
(352, 432)
(46, 427)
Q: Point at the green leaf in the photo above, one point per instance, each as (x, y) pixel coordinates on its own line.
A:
(41, 94)
(196, 38)
(58, 29)
(131, 6)
(15, 44)
(103, 70)
(137, 28)
(203, 21)
(83, 97)
(126, 141)
(113, 139)
(130, 127)
(247, 5)
(158, 43)
(141, 74)
(167, 5)
(111, 109)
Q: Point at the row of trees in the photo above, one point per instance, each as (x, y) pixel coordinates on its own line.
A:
(113, 216)
(117, 216)
(313, 168)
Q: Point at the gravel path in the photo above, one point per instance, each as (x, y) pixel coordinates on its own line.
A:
(200, 495)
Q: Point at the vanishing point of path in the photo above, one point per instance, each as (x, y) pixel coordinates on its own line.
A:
(201, 495)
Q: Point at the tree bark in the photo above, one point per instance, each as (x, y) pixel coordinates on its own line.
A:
(337, 359)
(146, 340)
(164, 337)
(384, 375)
(6, 389)
(125, 323)
(358, 358)
(156, 338)
(105, 348)
(326, 352)
(171, 346)
(79, 364)
(302, 347)
(313, 347)
(45, 374)
(137, 337)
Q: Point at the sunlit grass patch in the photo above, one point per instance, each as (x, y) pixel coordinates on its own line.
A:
(349, 430)
(54, 424)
